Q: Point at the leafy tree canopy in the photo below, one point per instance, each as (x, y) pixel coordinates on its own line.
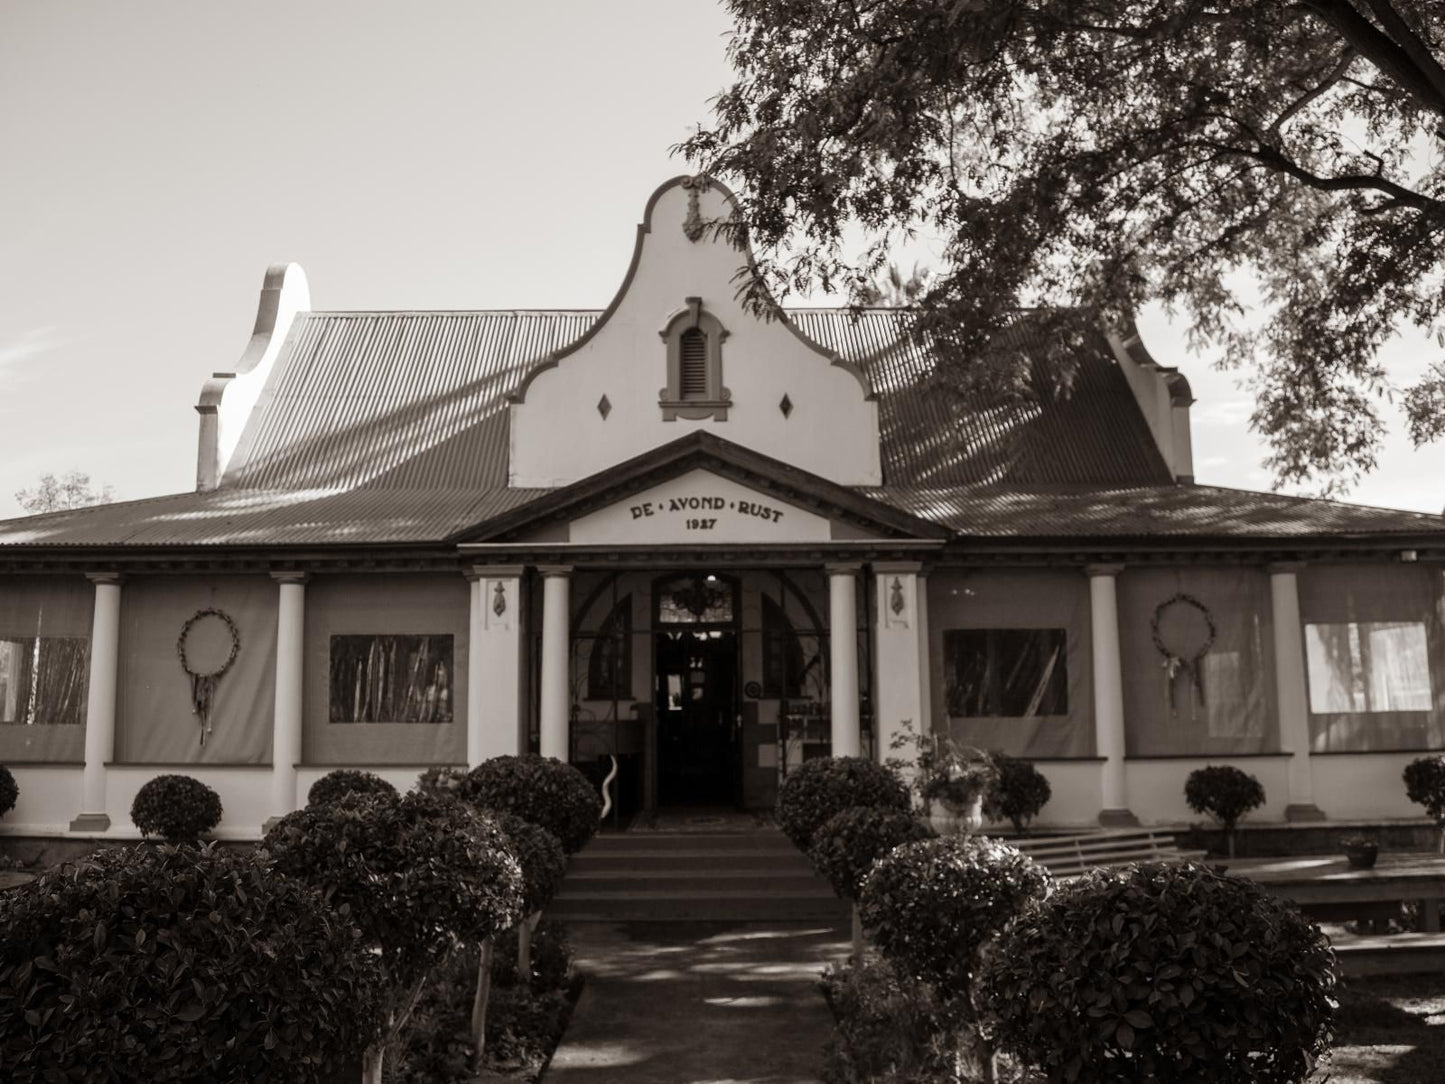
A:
(71, 490)
(1086, 157)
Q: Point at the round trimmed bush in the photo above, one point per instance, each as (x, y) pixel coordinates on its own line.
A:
(1161, 972)
(820, 789)
(537, 851)
(931, 906)
(1018, 793)
(543, 790)
(179, 964)
(415, 873)
(9, 791)
(846, 848)
(343, 781)
(176, 807)
(1424, 785)
(1225, 793)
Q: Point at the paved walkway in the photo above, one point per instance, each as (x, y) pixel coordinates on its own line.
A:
(699, 1003)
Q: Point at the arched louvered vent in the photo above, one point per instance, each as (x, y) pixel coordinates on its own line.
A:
(692, 354)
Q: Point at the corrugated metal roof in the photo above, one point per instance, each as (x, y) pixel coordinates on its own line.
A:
(1096, 434)
(392, 427)
(1146, 512)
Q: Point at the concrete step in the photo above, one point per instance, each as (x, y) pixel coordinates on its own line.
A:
(1396, 954)
(688, 880)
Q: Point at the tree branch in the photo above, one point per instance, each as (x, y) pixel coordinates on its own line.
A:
(1338, 73)
(1377, 48)
(1409, 43)
(1275, 159)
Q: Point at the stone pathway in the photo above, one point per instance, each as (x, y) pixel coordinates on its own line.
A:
(699, 1003)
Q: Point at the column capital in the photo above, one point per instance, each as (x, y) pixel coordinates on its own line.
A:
(1283, 568)
(899, 568)
(562, 571)
(1103, 569)
(291, 577)
(494, 572)
(98, 578)
(843, 568)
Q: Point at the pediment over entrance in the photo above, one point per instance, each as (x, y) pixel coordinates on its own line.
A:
(701, 490)
(700, 507)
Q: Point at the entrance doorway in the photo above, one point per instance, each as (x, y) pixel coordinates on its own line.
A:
(696, 675)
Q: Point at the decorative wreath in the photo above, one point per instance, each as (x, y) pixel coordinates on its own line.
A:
(203, 686)
(1173, 663)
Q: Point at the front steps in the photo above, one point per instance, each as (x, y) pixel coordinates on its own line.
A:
(654, 876)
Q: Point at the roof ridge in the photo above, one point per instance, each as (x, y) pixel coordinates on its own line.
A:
(1321, 500)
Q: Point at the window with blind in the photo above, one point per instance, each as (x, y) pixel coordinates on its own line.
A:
(1374, 666)
(692, 350)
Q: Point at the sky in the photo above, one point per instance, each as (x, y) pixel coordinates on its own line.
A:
(157, 155)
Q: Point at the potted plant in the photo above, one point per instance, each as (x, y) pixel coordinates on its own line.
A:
(958, 776)
(1360, 851)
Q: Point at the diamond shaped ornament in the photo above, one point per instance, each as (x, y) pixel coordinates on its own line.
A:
(604, 407)
(786, 405)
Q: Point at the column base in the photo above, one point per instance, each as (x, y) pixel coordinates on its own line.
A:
(1304, 811)
(1117, 818)
(90, 822)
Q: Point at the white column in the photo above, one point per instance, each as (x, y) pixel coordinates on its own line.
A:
(843, 658)
(899, 653)
(1108, 695)
(1291, 691)
(290, 709)
(556, 642)
(100, 702)
(494, 664)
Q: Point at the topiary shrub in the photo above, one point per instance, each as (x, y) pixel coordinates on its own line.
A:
(175, 807)
(1161, 972)
(441, 780)
(542, 790)
(1018, 793)
(848, 845)
(9, 791)
(1424, 785)
(931, 906)
(1225, 793)
(174, 964)
(417, 874)
(820, 789)
(344, 781)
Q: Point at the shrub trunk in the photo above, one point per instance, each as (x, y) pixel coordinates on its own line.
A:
(479, 1003)
(524, 947)
(857, 940)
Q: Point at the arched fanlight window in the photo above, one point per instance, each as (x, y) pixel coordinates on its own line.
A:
(694, 339)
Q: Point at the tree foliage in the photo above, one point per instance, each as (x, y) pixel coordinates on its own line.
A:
(178, 808)
(1090, 156)
(821, 788)
(179, 964)
(70, 490)
(1161, 972)
(416, 874)
(543, 790)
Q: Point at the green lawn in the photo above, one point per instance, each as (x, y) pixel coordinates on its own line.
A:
(1389, 1030)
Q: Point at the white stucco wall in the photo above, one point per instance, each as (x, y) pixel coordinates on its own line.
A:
(558, 435)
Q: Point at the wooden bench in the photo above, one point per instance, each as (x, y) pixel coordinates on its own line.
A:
(1071, 856)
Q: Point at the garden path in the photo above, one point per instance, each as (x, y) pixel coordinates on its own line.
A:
(699, 1003)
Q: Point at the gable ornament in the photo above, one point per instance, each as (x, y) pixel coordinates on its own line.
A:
(693, 225)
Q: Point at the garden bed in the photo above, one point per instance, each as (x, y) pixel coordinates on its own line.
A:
(524, 1024)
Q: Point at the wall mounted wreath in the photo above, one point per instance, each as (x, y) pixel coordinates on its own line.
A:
(203, 684)
(1176, 661)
